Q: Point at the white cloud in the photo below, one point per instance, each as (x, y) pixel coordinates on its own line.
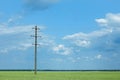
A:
(24, 46)
(5, 30)
(61, 49)
(82, 43)
(98, 56)
(15, 38)
(19, 39)
(47, 41)
(86, 39)
(14, 18)
(110, 21)
(8, 49)
(76, 36)
(102, 22)
(79, 39)
(106, 39)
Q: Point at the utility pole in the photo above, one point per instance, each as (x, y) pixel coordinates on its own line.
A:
(35, 48)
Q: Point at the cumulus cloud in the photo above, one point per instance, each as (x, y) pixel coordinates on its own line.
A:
(110, 21)
(61, 49)
(102, 22)
(79, 39)
(15, 38)
(106, 40)
(18, 38)
(86, 39)
(36, 5)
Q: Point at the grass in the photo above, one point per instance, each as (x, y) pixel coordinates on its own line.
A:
(16, 75)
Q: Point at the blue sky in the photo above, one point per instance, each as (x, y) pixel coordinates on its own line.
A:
(76, 34)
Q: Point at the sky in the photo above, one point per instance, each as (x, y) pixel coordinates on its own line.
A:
(76, 34)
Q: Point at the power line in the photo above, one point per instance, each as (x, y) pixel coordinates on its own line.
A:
(35, 48)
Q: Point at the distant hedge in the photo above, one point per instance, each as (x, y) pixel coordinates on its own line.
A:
(50, 70)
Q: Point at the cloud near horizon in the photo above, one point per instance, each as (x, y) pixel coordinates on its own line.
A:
(18, 32)
(106, 40)
(19, 39)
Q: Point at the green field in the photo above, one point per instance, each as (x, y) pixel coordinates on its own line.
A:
(17, 75)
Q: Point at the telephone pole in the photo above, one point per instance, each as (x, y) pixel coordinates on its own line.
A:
(35, 48)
